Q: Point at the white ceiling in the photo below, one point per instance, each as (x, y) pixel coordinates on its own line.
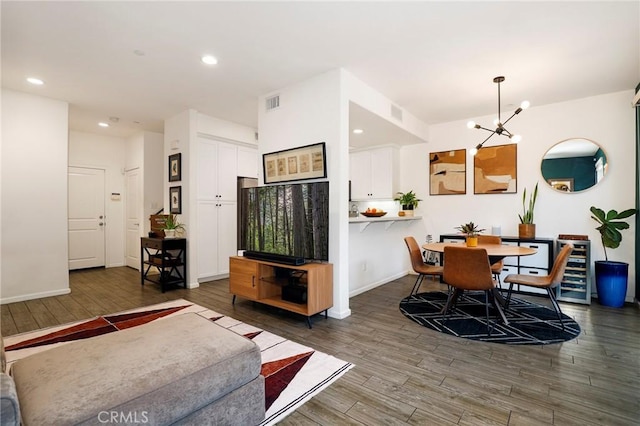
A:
(434, 59)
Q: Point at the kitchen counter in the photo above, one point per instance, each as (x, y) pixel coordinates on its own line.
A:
(389, 220)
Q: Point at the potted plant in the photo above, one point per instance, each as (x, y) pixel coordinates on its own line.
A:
(408, 201)
(471, 231)
(171, 226)
(526, 228)
(611, 276)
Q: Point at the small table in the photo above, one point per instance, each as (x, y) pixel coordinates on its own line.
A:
(168, 256)
(495, 252)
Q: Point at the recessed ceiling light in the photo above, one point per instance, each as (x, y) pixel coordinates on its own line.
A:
(358, 131)
(35, 81)
(209, 60)
(103, 124)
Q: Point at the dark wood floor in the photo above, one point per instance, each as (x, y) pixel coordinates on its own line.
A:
(406, 373)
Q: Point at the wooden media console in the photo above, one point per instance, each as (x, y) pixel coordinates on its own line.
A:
(263, 281)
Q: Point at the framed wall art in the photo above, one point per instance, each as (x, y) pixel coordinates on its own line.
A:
(495, 170)
(175, 200)
(175, 167)
(305, 162)
(448, 172)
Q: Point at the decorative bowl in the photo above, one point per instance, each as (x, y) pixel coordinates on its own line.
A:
(376, 214)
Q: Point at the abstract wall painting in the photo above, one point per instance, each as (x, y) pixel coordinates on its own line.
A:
(448, 172)
(495, 170)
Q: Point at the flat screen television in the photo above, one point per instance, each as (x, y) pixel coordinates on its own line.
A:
(290, 220)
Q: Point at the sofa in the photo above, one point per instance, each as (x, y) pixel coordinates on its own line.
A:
(179, 370)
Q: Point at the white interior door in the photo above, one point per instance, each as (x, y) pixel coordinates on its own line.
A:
(86, 218)
(132, 221)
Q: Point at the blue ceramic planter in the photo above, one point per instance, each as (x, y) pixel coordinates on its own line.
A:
(611, 282)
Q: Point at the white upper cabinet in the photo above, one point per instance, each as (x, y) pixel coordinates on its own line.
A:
(247, 162)
(373, 174)
(217, 170)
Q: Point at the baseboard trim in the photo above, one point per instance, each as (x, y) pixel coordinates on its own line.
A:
(376, 284)
(32, 296)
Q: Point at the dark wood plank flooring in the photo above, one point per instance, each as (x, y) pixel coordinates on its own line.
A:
(405, 373)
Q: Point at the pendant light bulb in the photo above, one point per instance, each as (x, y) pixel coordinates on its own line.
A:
(525, 104)
(471, 124)
(516, 138)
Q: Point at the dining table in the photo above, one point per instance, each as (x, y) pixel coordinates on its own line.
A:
(495, 252)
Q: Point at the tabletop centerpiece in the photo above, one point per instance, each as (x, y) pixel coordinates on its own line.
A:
(471, 231)
(172, 226)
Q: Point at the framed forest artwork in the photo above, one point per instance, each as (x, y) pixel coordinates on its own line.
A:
(495, 170)
(448, 172)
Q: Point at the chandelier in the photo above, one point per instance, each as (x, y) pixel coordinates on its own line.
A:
(500, 129)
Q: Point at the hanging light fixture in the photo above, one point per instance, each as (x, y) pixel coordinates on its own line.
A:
(500, 129)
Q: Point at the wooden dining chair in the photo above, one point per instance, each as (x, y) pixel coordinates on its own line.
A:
(547, 282)
(418, 264)
(468, 268)
(496, 267)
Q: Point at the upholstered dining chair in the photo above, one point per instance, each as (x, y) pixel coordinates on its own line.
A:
(496, 268)
(468, 268)
(547, 282)
(418, 264)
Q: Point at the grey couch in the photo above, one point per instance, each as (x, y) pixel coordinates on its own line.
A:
(179, 370)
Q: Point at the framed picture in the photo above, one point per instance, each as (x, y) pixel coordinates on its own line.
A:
(175, 167)
(495, 170)
(175, 199)
(448, 172)
(305, 162)
(562, 184)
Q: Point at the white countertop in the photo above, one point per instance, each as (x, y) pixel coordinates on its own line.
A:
(385, 218)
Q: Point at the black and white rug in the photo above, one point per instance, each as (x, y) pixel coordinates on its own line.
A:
(529, 323)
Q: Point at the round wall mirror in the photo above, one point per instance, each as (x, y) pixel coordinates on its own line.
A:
(574, 165)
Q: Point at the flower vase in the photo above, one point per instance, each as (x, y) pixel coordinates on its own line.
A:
(472, 241)
(169, 233)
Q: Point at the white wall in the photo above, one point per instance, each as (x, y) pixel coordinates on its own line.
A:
(607, 120)
(179, 137)
(93, 150)
(311, 112)
(145, 152)
(226, 130)
(34, 248)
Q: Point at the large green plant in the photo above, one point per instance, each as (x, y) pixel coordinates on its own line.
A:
(407, 199)
(527, 213)
(610, 226)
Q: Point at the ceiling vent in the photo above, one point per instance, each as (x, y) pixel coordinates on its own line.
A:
(396, 112)
(273, 102)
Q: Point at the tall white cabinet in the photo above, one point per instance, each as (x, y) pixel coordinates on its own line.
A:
(373, 174)
(218, 164)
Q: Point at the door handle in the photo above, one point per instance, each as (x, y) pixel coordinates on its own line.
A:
(101, 224)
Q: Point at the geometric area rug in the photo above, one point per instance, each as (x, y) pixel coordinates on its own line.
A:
(293, 373)
(529, 323)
